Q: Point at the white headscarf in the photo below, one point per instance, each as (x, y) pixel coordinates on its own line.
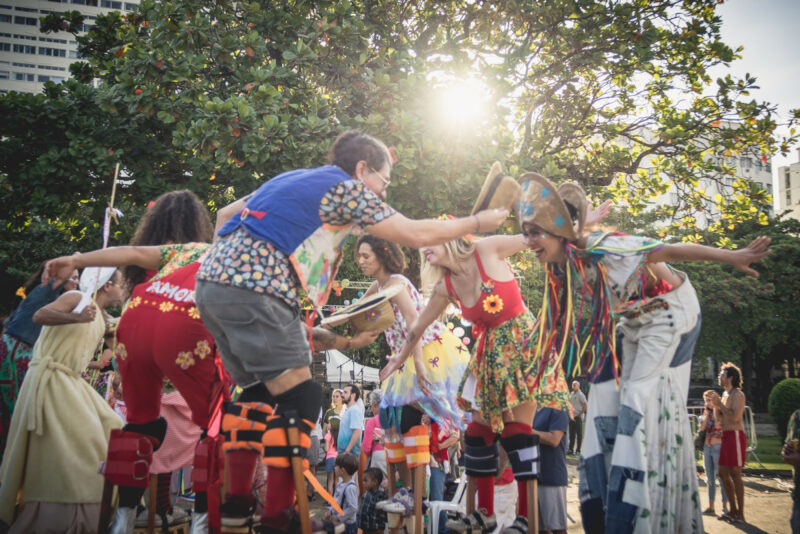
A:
(92, 279)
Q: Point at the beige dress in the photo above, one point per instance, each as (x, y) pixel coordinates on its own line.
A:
(58, 436)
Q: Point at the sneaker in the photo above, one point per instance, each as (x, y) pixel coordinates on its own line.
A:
(402, 503)
(519, 526)
(478, 521)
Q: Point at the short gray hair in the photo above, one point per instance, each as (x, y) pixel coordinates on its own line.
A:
(375, 396)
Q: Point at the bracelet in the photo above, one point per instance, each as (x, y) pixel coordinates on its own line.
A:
(478, 223)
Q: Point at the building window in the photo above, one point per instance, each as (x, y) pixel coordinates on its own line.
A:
(50, 40)
(23, 77)
(55, 52)
(111, 5)
(27, 21)
(728, 182)
(5, 47)
(79, 2)
(26, 9)
(24, 49)
(768, 166)
(73, 54)
(45, 78)
(5, 18)
(129, 6)
(769, 188)
(3, 74)
(26, 65)
(788, 179)
(24, 37)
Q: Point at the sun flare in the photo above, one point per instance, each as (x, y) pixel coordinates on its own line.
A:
(461, 103)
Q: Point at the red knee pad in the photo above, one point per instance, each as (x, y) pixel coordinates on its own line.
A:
(208, 461)
(129, 458)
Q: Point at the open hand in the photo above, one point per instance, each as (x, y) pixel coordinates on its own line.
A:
(595, 215)
(757, 250)
(59, 268)
(393, 363)
(422, 379)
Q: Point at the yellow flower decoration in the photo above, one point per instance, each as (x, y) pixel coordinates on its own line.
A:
(135, 301)
(193, 313)
(202, 349)
(493, 304)
(21, 293)
(122, 351)
(184, 360)
(166, 306)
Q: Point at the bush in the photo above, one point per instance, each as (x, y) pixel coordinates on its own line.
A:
(784, 399)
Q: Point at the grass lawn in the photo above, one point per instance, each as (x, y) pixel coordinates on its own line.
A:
(768, 450)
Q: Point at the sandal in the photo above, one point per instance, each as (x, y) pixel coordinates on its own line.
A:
(477, 521)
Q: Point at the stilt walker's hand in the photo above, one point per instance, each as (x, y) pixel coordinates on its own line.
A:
(422, 379)
(596, 215)
(58, 268)
(757, 250)
(393, 364)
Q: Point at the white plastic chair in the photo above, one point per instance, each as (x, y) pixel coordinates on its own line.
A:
(750, 432)
(457, 504)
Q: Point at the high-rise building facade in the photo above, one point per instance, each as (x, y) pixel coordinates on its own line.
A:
(29, 58)
(789, 188)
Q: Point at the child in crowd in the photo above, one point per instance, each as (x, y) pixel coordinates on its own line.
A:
(346, 492)
(370, 519)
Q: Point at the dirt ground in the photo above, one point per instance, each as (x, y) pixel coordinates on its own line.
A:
(767, 501)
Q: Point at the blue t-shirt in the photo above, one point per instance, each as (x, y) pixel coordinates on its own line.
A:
(352, 420)
(553, 470)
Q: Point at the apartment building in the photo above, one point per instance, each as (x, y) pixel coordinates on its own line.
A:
(29, 58)
(789, 188)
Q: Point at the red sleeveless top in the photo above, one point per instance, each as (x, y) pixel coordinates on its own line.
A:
(497, 303)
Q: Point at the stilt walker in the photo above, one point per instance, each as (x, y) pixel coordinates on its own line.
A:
(279, 251)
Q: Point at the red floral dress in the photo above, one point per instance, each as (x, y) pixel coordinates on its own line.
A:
(504, 364)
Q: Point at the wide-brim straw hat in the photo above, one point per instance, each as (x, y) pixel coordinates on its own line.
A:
(543, 204)
(371, 313)
(498, 191)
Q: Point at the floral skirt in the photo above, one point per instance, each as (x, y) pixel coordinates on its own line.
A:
(504, 374)
(446, 359)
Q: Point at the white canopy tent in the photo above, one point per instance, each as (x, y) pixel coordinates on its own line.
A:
(341, 370)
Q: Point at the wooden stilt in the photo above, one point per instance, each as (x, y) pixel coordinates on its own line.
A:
(419, 489)
(105, 507)
(151, 504)
(533, 506)
(293, 435)
(471, 490)
(392, 487)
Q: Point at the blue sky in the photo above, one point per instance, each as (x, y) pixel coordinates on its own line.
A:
(768, 30)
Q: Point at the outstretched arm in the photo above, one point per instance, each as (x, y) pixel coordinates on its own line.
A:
(60, 312)
(434, 309)
(422, 232)
(144, 257)
(740, 259)
(325, 339)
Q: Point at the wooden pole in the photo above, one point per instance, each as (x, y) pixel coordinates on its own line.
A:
(293, 435)
(419, 488)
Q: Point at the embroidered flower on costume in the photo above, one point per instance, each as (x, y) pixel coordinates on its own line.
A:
(434, 361)
(135, 301)
(487, 286)
(372, 315)
(493, 304)
(122, 351)
(166, 307)
(193, 313)
(202, 349)
(184, 360)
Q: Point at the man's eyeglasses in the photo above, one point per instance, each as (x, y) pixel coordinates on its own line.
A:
(386, 181)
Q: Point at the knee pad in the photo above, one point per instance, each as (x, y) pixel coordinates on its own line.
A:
(417, 445)
(409, 418)
(156, 429)
(480, 451)
(207, 463)
(305, 399)
(129, 458)
(277, 451)
(243, 425)
(522, 447)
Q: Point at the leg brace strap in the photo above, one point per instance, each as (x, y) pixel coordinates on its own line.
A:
(523, 453)
(129, 457)
(207, 463)
(417, 445)
(275, 440)
(243, 425)
(480, 460)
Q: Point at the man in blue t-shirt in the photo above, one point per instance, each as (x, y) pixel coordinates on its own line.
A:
(551, 427)
(352, 424)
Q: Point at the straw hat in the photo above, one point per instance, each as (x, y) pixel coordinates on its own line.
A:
(498, 191)
(371, 313)
(542, 204)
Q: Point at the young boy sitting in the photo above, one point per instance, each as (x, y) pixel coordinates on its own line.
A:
(371, 520)
(346, 492)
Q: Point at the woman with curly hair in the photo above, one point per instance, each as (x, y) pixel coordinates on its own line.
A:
(426, 385)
